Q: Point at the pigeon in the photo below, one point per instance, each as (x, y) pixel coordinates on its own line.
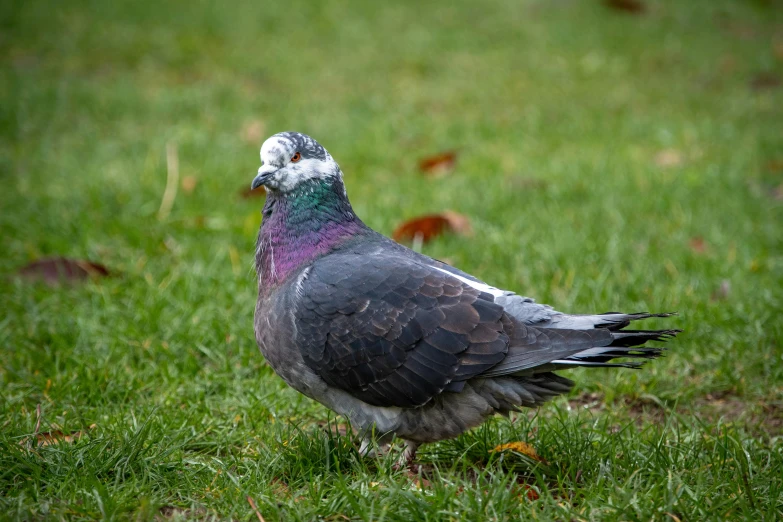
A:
(403, 345)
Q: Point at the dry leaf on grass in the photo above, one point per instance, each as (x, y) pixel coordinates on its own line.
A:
(626, 6)
(53, 270)
(520, 447)
(764, 81)
(668, 158)
(459, 224)
(57, 436)
(419, 482)
(698, 245)
(425, 228)
(253, 131)
(525, 492)
(189, 184)
(439, 164)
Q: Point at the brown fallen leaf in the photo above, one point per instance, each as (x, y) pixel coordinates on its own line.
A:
(765, 81)
(698, 245)
(420, 482)
(439, 164)
(524, 491)
(56, 437)
(627, 6)
(53, 270)
(246, 193)
(459, 224)
(775, 165)
(425, 228)
(520, 447)
(253, 131)
(668, 158)
(189, 184)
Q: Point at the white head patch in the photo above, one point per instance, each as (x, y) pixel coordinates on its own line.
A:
(277, 157)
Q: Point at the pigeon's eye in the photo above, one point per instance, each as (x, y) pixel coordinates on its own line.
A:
(296, 157)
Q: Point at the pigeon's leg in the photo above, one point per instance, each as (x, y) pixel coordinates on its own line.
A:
(367, 449)
(408, 455)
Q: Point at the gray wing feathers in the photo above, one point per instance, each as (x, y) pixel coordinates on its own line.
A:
(392, 331)
(525, 309)
(542, 346)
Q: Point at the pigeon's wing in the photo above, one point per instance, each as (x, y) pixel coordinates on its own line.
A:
(395, 332)
(527, 311)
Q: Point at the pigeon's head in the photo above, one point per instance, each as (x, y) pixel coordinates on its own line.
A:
(289, 159)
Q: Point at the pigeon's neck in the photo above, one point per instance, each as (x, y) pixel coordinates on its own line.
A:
(302, 225)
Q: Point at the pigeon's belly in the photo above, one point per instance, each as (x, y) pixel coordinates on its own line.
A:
(367, 419)
(445, 417)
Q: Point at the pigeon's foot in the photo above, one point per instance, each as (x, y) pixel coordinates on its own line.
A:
(408, 456)
(369, 450)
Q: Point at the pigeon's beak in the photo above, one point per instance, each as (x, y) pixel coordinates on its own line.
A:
(264, 174)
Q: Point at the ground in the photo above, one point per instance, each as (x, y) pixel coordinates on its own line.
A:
(607, 160)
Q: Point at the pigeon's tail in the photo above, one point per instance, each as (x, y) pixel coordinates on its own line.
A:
(567, 348)
(626, 344)
(608, 320)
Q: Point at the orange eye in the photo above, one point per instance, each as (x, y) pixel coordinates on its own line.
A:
(296, 157)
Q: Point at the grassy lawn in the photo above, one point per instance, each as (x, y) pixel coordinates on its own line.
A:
(607, 161)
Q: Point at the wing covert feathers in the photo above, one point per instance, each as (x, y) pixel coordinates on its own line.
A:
(394, 332)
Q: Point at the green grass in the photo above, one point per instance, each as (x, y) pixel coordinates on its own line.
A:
(558, 110)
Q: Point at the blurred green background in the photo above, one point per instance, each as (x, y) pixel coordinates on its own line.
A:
(611, 155)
